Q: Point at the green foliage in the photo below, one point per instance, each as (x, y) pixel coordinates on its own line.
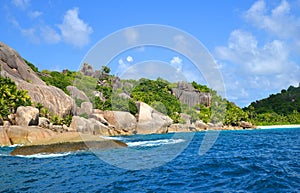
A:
(44, 112)
(205, 113)
(234, 115)
(84, 115)
(11, 98)
(67, 120)
(32, 66)
(39, 106)
(56, 120)
(154, 91)
(283, 103)
(78, 102)
(277, 109)
(201, 88)
(105, 69)
(58, 79)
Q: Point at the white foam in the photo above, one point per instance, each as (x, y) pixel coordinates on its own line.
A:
(15, 145)
(43, 155)
(154, 143)
(113, 138)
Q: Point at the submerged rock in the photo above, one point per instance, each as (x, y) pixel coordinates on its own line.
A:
(67, 147)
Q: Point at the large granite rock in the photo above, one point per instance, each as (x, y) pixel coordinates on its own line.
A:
(28, 135)
(27, 116)
(121, 120)
(76, 93)
(85, 108)
(246, 124)
(151, 121)
(181, 128)
(90, 126)
(13, 66)
(200, 125)
(188, 95)
(4, 139)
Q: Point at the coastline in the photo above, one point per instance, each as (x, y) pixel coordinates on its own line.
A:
(278, 126)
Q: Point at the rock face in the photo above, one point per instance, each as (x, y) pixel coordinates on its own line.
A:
(76, 93)
(13, 66)
(151, 121)
(86, 108)
(28, 135)
(188, 95)
(4, 139)
(200, 125)
(181, 128)
(121, 120)
(245, 124)
(27, 116)
(90, 126)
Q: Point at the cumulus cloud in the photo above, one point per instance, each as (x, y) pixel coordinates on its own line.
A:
(35, 14)
(74, 30)
(176, 62)
(49, 35)
(252, 68)
(129, 59)
(278, 21)
(243, 49)
(22, 4)
(131, 36)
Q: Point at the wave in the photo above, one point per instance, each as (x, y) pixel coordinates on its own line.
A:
(11, 146)
(113, 138)
(43, 155)
(154, 143)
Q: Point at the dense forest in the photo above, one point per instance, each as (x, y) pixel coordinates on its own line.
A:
(281, 108)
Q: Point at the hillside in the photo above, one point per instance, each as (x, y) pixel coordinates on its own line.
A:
(280, 108)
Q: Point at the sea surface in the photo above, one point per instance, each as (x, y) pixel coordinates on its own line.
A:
(238, 161)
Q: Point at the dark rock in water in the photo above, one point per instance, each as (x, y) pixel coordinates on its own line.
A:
(67, 147)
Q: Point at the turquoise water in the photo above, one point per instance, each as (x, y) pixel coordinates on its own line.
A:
(239, 161)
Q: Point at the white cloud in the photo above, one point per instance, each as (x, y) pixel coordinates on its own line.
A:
(129, 59)
(243, 50)
(22, 4)
(35, 14)
(74, 30)
(123, 65)
(131, 36)
(278, 21)
(176, 62)
(50, 35)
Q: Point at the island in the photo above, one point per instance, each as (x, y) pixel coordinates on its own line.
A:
(48, 111)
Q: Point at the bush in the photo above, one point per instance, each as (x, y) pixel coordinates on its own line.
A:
(11, 98)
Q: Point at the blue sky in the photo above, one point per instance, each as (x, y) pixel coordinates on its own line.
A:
(255, 44)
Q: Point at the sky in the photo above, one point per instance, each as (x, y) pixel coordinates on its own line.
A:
(254, 44)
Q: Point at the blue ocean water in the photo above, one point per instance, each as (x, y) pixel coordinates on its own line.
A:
(239, 161)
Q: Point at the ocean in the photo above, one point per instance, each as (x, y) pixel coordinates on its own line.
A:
(236, 161)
